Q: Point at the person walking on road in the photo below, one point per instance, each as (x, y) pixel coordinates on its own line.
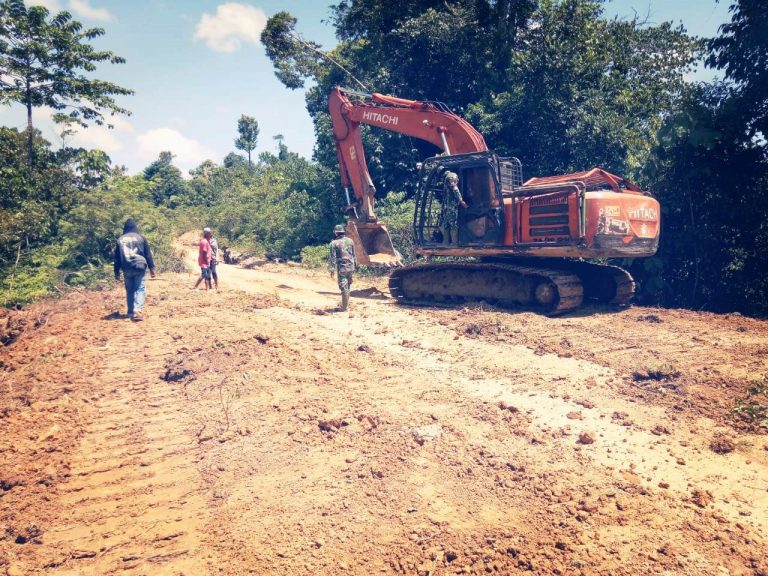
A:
(342, 261)
(214, 259)
(204, 259)
(133, 257)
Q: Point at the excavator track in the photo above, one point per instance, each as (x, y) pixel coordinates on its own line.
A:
(550, 290)
(603, 283)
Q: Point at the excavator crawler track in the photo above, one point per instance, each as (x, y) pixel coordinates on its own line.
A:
(602, 283)
(550, 290)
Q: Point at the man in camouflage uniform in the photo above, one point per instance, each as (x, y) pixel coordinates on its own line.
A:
(342, 261)
(453, 199)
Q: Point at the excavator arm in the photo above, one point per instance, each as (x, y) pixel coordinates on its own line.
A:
(430, 121)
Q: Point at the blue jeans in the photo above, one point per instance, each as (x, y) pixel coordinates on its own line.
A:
(135, 290)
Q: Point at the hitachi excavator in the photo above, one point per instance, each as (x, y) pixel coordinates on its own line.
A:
(530, 241)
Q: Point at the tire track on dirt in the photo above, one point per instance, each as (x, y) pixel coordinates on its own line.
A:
(134, 502)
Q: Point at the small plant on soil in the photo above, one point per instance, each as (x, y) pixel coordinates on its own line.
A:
(753, 408)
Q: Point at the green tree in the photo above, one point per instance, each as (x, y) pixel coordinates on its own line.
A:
(31, 206)
(248, 130)
(552, 82)
(710, 178)
(233, 160)
(742, 51)
(168, 188)
(710, 172)
(48, 62)
(282, 149)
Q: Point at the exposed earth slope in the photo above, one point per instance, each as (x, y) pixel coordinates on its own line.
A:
(258, 431)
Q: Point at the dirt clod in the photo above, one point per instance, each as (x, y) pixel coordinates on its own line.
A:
(508, 407)
(722, 444)
(702, 498)
(586, 437)
(332, 425)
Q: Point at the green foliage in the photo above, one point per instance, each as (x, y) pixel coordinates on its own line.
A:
(38, 275)
(48, 62)
(711, 179)
(278, 207)
(233, 160)
(32, 202)
(742, 51)
(81, 252)
(314, 256)
(397, 213)
(585, 91)
(168, 188)
(294, 58)
(248, 130)
(752, 409)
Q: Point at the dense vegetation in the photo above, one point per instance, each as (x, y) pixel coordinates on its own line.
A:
(553, 82)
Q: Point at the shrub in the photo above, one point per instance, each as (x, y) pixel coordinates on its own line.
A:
(314, 256)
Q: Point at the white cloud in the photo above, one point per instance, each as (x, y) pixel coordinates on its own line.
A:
(53, 6)
(232, 25)
(188, 153)
(83, 9)
(101, 137)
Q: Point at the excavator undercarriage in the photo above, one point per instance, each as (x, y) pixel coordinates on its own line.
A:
(553, 287)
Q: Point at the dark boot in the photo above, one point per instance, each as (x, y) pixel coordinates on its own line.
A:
(344, 300)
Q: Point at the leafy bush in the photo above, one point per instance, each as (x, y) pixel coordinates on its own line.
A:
(397, 213)
(81, 254)
(314, 256)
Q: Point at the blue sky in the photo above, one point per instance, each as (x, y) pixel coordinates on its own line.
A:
(197, 65)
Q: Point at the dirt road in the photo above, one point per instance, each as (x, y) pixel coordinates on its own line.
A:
(257, 431)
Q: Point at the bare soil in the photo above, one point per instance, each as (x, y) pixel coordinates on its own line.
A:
(258, 431)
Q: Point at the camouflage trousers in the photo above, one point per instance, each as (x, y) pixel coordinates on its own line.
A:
(345, 281)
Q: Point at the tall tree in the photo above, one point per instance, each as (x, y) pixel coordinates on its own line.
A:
(48, 62)
(248, 130)
(282, 149)
(742, 51)
(168, 187)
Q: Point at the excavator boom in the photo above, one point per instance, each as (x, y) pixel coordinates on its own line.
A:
(430, 121)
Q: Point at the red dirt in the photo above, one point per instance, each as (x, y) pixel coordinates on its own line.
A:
(257, 431)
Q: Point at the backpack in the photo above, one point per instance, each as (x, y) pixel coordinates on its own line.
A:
(129, 253)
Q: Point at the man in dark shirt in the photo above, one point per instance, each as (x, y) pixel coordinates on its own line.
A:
(133, 257)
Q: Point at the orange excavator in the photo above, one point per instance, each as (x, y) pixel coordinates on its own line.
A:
(529, 241)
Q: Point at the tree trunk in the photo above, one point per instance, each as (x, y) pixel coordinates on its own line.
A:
(249, 158)
(30, 138)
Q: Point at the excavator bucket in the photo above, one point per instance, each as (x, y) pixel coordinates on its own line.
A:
(373, 246)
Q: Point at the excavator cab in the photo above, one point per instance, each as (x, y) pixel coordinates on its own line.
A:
(440, 221)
